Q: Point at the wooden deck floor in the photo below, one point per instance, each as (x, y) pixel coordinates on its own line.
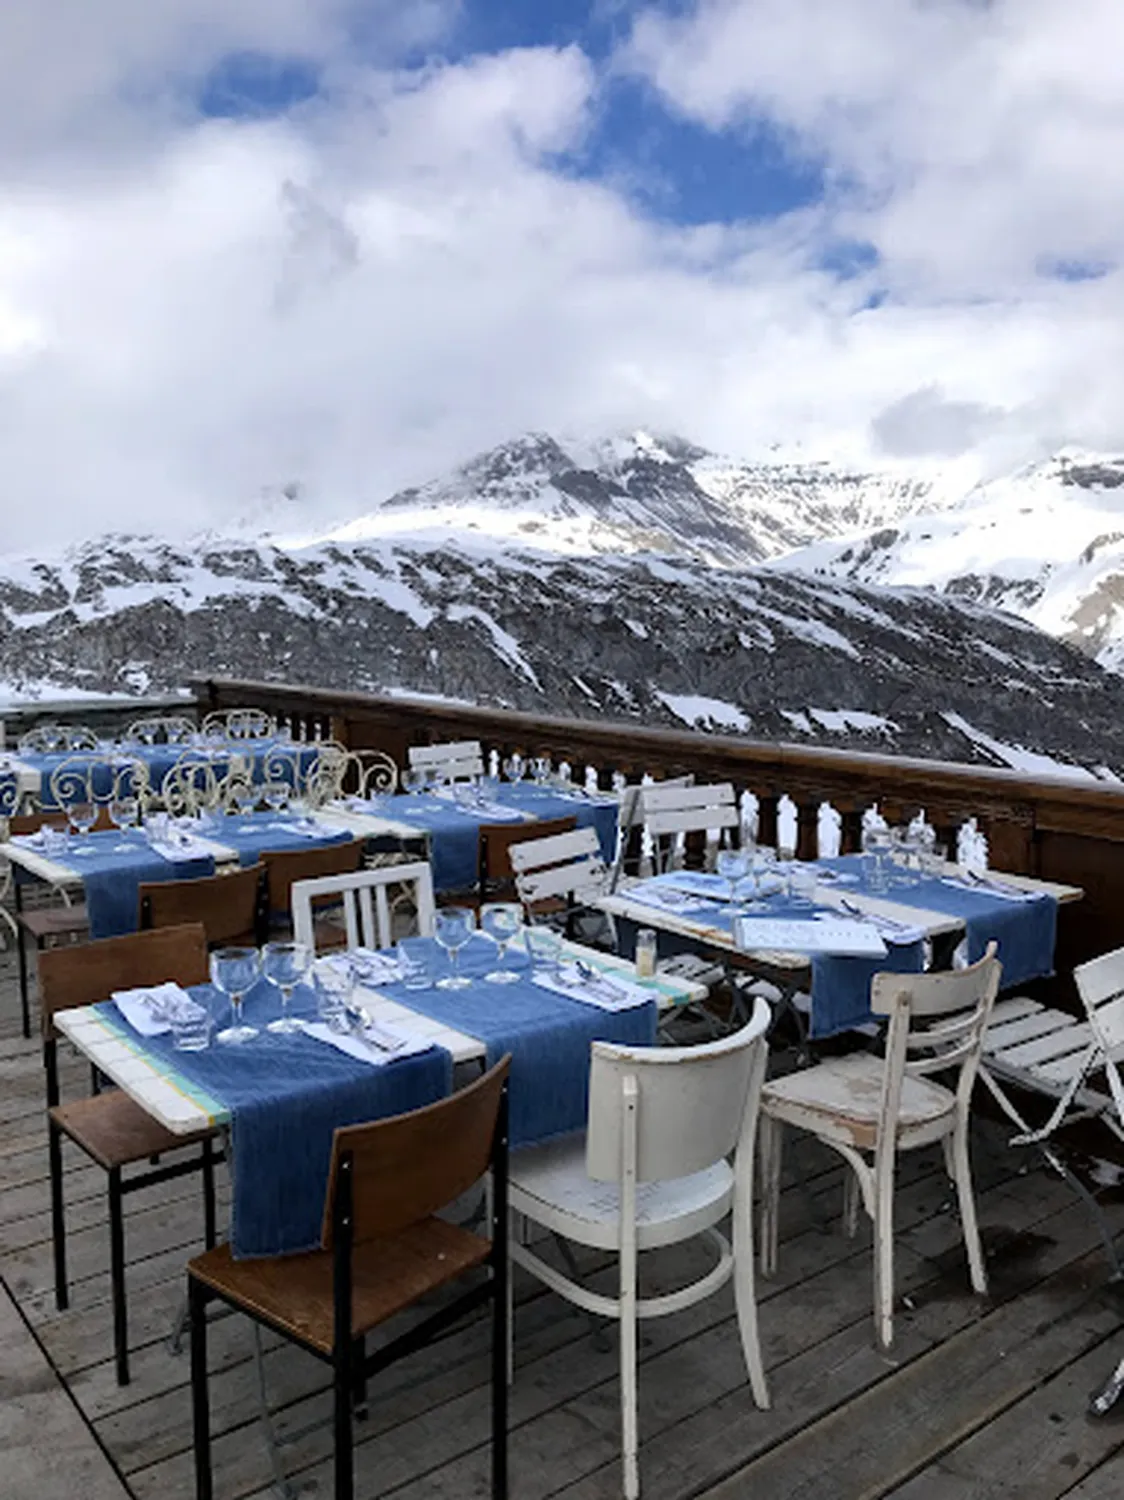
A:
(979, 1399)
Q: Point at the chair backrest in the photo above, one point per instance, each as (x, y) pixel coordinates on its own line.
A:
(560, 867)
(368, 898)
(1100, 983)
(937, 1022)
(230, 906)
(83, 973)
(407, 1167)
(672, 812)
(161, 729)
(494, 851)
(283, 867)
(694, 1105)
(240, 723)
(630, 816)
(191, 785)
(369, 773)
(456, 760)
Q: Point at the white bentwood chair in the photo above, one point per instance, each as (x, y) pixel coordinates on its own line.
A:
(868, 1109)
(652, 1171)
(368, 898)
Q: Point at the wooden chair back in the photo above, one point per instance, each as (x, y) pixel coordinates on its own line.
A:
(630, 818)
(230, 905)
(32, 822)
(456, 760)
(693, 1105)
(84, 973)
(369, 899)
(563, 868)
(284, 867)
(672, 812)
(406, 1168)
(496, 841)
(1100, 983)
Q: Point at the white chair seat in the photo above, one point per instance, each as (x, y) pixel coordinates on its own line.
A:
(549, 1184)
(843, 1098)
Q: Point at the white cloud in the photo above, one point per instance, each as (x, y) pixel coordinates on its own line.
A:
(405, 270)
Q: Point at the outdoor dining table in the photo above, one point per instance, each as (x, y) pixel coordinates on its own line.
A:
(452, 826)
(1019, 913)
(282, 1096)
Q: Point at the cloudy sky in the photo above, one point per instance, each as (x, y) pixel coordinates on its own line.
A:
(343, 244)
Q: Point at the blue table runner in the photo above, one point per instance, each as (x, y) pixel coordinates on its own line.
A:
(253, 834)
(111, 876)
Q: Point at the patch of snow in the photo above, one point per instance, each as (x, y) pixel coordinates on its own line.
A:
(1017, 756)
(841, 720)
(707, 712)
(797, 719)
(506, 645)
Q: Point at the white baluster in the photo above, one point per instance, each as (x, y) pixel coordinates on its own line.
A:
(494, 764)
(788, 825)
(591, 780)
(829, 832)
(750, 819)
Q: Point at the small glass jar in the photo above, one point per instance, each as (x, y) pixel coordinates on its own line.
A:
(645, 953)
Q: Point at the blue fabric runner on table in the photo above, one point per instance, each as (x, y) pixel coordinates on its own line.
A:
(258, 833)
(548, 1036)
(454, 829)
(1025, 930)
(286, 1095)
(111, 876)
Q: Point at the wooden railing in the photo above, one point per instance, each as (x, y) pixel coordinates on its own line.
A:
(1052, 828)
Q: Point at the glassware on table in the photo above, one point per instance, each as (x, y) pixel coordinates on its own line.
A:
(502, 921)
(191, 1027)
(124, 814)
(515, 767)
(464, 794)
(646, 951)
(876, 848)
(415, 958)
(414, 781)
(733, 866)
(233, 972)
(541, 768)
(333, 983)
(285, 964)
(545, 947)
(276, 795)
(934, 859)
(452, 927)
(762, 865)
(81, 815)
(802, 883)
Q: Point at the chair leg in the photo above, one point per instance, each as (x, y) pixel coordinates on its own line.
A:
(117, 1276)
(745, 1298)
(21, 950)
(58, 1215)
(851, 1200)
(770, 1134)
(501, 1371)
(208, 1172)
(962, 1175)
(200, 1403)
(342, 1386)
(630, 1433)
(884, 1249)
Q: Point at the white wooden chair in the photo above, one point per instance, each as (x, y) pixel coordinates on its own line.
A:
(369, 899)
(561, 878)
(868, 1109)
(671, 812)
(651, 1171)
(456, 760)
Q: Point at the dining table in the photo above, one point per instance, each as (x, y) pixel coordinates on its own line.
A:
(816, 943)
(281, 1096)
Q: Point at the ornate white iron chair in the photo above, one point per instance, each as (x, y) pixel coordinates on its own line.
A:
(191, 786)
(160, 729)
(240, 723)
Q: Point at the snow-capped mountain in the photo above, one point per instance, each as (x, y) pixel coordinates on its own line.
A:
(1046, 543)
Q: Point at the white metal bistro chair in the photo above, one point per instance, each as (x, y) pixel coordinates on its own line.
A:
(868, 1109)
(369, 899)
(671, 812)
(456, 760)
(652, 1171)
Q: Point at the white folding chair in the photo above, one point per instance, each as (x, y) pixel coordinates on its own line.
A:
(369, 899)
(868, 1107)
(457, 760)
(671, 812)
(562, 877)
(651, 1171)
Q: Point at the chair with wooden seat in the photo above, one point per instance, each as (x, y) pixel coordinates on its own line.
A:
(370, 900)
(495, 841)
(111, 1128)
(454, 760)
(652, 1171)
(45, 923)
(230, 905)
(676, 816)
(284, 867)
(559, 880)
(383, 1249)
(868, 1109)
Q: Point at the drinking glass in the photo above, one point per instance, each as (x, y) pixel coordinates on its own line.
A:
(515, 767)
(285, 965)
(334, 984)
(763, 864)
(276, 795)
(453, 926)
(413, 781)
(233, 972)
(81, 815)
(733, 866)
(124, 814)
(502, 921)
(545, 948)
(876, 847)
(541, 768)
(415, 959)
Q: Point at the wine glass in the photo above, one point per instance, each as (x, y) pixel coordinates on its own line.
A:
(541, 767)
(502, 921)
(81, 815)
(285, 965)
(514, 767)
(733, 866)
(276, 795)
(233, 972)
(453, 926)
(413, 781)
(124, 814)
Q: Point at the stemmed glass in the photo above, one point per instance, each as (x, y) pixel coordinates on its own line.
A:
(233, 972)
(502, 921)
(515, 767)
(276, 795)
(124, 814)
(81, 815)
(541, 768)
(733, 866)
(285, 965)
(453, 926)
(413, 781)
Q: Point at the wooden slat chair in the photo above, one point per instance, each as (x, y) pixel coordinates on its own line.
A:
(110, 1127)
(560, 878)
(495, 842)
(383, 1249)
(370, 899)
(630, 819)
(868, 1107)
(230, 905)
(456, 760)
(45, 924)
(1070, 1063)
(672, 814)
(284, 867)
(652, 1171)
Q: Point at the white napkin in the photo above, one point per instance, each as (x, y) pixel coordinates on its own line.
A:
(668, 899)
(181, 850)
(606, 991)
(303, 830)
(367, 964)
(497, 812)
(398, 1043)
(149, 1010)
(985, 887)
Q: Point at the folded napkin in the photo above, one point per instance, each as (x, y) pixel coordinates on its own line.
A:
(181, 849)
(889, 927)
(368, 965)
(498, 812)
(605, 991)
(151, 1009)
(304, 829)
(984, 886)
(668, 899)
(377, 1043)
